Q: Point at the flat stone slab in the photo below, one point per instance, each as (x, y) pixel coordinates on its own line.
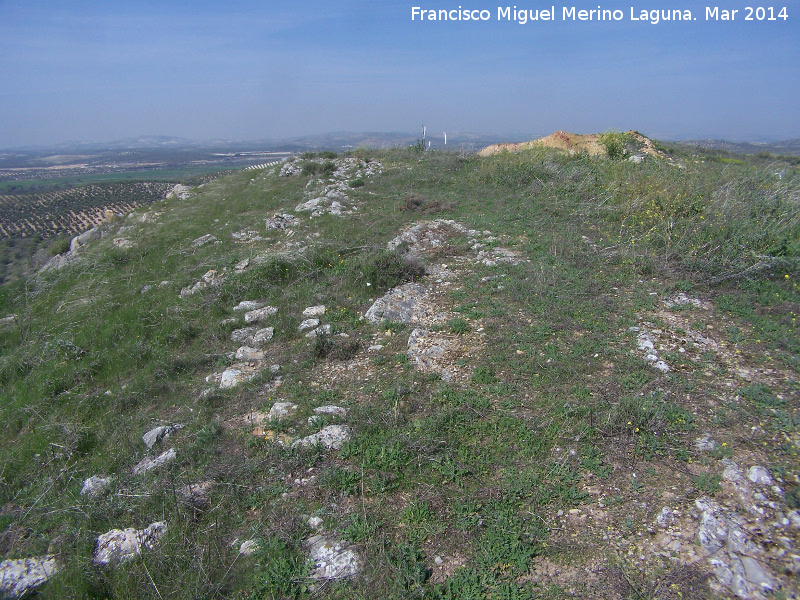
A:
(308, 324)
(21, 575)
(258, 315)
(249, 355)
(148, 463)
(398, 304)
(95, 486)
(333, 559)
(121, 545)
(281, 410)
(233, 376)
(332, 437)
(248, 305)
(314, 311)
(156, 434)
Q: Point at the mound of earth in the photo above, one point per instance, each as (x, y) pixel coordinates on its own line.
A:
(572, 143)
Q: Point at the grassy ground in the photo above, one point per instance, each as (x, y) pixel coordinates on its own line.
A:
(537, 476)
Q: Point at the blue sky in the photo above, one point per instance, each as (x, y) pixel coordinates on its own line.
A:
(242, 70)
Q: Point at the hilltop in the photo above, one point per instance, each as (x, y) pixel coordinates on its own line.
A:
(406, 374)
(591, 144)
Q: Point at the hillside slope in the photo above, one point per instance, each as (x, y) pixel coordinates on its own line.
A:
(402, 374)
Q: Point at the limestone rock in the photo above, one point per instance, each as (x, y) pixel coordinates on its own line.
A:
(281, 410)
(248, 547)
(258, 315)
(122, 243)
(308, 324)
(398, 304)
(759, 475)
(333, 559)
(321, 330)
(236, 374)
(248, 305)
(424, 349)
(731, 553)
(95, 486)
(79, 241)
(23, 574)
(281, 221)
(330, 409)
(148, 463)
(203, 240)
(705, 443)
(314, 311)
(332, 437)
(249, 355)
(120, 545)
(181, 192)
(157, 433)
(243, 335)
(262, 336)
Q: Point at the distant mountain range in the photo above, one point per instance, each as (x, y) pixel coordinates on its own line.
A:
(341, 141)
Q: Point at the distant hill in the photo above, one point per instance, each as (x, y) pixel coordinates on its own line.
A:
(787, 147)
(572, 142)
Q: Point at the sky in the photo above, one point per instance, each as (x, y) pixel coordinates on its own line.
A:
(246, 70)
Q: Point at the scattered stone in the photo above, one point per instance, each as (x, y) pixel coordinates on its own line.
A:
(203, 240)
(246, 236)
(210, 278)
(248, 305)
(398, 304)
(646, 346)
(732, 471)
(122, 243)
(79, 241)
(281, 410)
(248, 547)
(333, 559)
(683, 300)
(120, 545)
(665, 517)
(281, 221)
(148, 463)
(9, 320)
(180, 191)
(423, 350)
(759, 475)
(730, 552)
(332, 437)
(249, 355)
(330, 409)
(95, 486)
(492, 258)
(241, 265)
(21, 575)
(314, 311)
(375, 348)
(258, 315)
(315, 523)
(154, 435)
(705, 443)
(308, 324)
(243, 335)
(262, 336)
(195, 495)
(233, 376)
(321, 330)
